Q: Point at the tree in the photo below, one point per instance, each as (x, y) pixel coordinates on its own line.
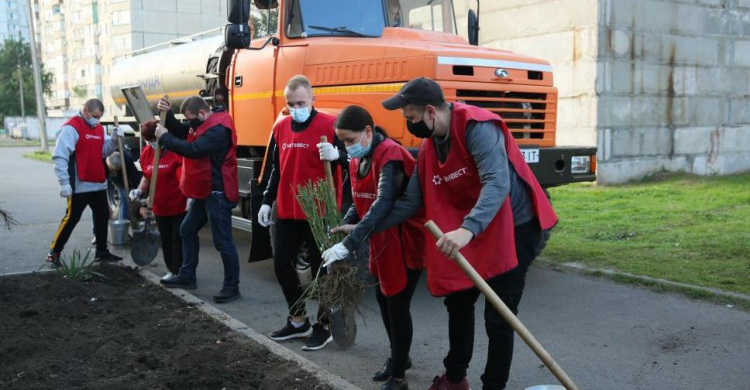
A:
(13, 53)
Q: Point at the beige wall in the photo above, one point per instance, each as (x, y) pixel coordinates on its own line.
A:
(562, 32)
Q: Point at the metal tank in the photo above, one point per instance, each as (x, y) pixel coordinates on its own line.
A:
(175, 71)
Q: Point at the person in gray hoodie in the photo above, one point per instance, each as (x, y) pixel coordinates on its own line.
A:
(81, 145)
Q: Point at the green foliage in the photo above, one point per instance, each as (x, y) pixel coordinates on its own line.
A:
(680, 228)
(259, 20)
(39, 155)
(75, 268)
(12, 54)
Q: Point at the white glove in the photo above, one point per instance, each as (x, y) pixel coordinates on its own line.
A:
(328, 152)
(334, 254)
(160, 130)
(264, 215)
(66, 191)
(135, 194)
(119, 131)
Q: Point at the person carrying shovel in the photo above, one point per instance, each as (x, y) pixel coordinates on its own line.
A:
(169, 201)
(474, 183)
(209, 178)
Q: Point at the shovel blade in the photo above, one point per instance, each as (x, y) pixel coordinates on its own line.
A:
(343, 327)
(145, 246)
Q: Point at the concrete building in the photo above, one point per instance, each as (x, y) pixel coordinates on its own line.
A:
(81, 39)
(13, 20)
(655, 84)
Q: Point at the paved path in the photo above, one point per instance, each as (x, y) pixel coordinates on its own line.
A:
(604, 335)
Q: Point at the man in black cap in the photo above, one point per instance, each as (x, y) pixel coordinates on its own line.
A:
(474, 183)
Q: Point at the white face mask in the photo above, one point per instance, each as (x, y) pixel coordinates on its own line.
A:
(300, 115)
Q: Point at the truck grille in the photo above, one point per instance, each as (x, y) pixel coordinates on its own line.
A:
(528, 115)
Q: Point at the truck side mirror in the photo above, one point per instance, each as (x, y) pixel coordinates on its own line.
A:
(237, 36)
(473, 28)
(238, 11)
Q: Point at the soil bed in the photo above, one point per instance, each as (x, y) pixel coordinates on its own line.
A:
(124, 333)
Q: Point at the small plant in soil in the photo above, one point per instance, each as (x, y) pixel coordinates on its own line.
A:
(79, 269)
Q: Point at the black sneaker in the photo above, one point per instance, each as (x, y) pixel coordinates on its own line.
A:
(291, 332)
(387, 370)
(395, 384)
(179, 281)
(226, 295)
(106, 255)
(319, 338)
(53, 259)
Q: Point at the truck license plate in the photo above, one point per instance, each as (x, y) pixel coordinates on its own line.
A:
(530, 155)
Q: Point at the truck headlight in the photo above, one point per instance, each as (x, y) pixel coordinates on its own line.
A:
(580, 164)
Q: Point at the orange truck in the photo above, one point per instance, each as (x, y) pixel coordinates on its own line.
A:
(357, 52)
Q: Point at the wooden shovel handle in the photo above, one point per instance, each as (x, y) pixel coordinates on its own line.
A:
(155, 169)
(327, 167)
(122, 162)
(508, 315)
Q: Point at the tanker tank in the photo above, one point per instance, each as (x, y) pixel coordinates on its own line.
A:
(173, 71)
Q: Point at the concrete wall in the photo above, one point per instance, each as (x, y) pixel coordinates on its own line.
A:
(674, 87)
(563, 32)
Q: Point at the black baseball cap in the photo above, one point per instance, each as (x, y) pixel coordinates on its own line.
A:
(420, 91)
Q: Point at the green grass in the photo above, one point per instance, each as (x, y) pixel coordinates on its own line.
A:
(39, 155)
(682, 228)
(10, 142)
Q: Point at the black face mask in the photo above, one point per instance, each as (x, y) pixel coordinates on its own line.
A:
(419, 129)
(195, 123)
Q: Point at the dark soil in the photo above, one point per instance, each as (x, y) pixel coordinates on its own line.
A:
(124, 333)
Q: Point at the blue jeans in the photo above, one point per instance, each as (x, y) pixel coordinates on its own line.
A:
(217, 209)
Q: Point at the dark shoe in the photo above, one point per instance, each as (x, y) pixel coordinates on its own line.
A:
(53, 260)
(319, 338)
(387, 370)
(106, 255)
(226, 295)
(442, 383)
(179, 282)
(395, 384)
(291, 332)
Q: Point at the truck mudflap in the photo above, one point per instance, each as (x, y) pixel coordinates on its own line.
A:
(561, 165)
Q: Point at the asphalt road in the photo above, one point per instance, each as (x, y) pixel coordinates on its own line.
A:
(604, 335)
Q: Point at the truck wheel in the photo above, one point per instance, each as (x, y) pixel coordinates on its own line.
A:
(113, 199)
(546, 234)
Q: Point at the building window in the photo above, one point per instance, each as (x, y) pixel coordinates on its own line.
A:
(120, 18)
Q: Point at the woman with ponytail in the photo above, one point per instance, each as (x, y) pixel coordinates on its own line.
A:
(379, 169)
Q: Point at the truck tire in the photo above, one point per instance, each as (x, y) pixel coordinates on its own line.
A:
(113, 199)
(546, 234)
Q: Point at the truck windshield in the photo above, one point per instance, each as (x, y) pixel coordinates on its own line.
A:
(366, 18)
(361, 18)
(433, 15)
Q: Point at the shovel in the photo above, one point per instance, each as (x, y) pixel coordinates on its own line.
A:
(146, 241)
(507, 315)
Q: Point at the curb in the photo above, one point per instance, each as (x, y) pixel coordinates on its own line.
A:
(609, 273)
(324, 376)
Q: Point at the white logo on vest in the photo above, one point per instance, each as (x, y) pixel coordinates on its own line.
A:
(295, 145)
(92, 136)
(438, 180)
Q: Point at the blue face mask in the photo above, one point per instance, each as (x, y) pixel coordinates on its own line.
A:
(92, 121)
(357, 150)
(300, 115)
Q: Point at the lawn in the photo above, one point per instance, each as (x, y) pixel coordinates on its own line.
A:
(682, 228)
(39, 155)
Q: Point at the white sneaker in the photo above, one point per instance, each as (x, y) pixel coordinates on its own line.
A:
(168, 275)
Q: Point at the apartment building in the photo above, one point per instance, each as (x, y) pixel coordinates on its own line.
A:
(13, 20)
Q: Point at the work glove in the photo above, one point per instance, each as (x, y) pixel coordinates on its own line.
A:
(328, 152)
(135, 194)
(164, 104)
(264, 215)
(119, 131)
(160, 130)
(334, 254)
(66, 191)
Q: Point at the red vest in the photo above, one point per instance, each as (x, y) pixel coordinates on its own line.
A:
(299, 160)
(399, 247)
(462, 113)
(195, 182)
(168, 199)
(88, 154)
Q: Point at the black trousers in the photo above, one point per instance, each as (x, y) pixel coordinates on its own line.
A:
(77, 203)
(289, 237)
(509, 287)
(396, 313)
(171, 241)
